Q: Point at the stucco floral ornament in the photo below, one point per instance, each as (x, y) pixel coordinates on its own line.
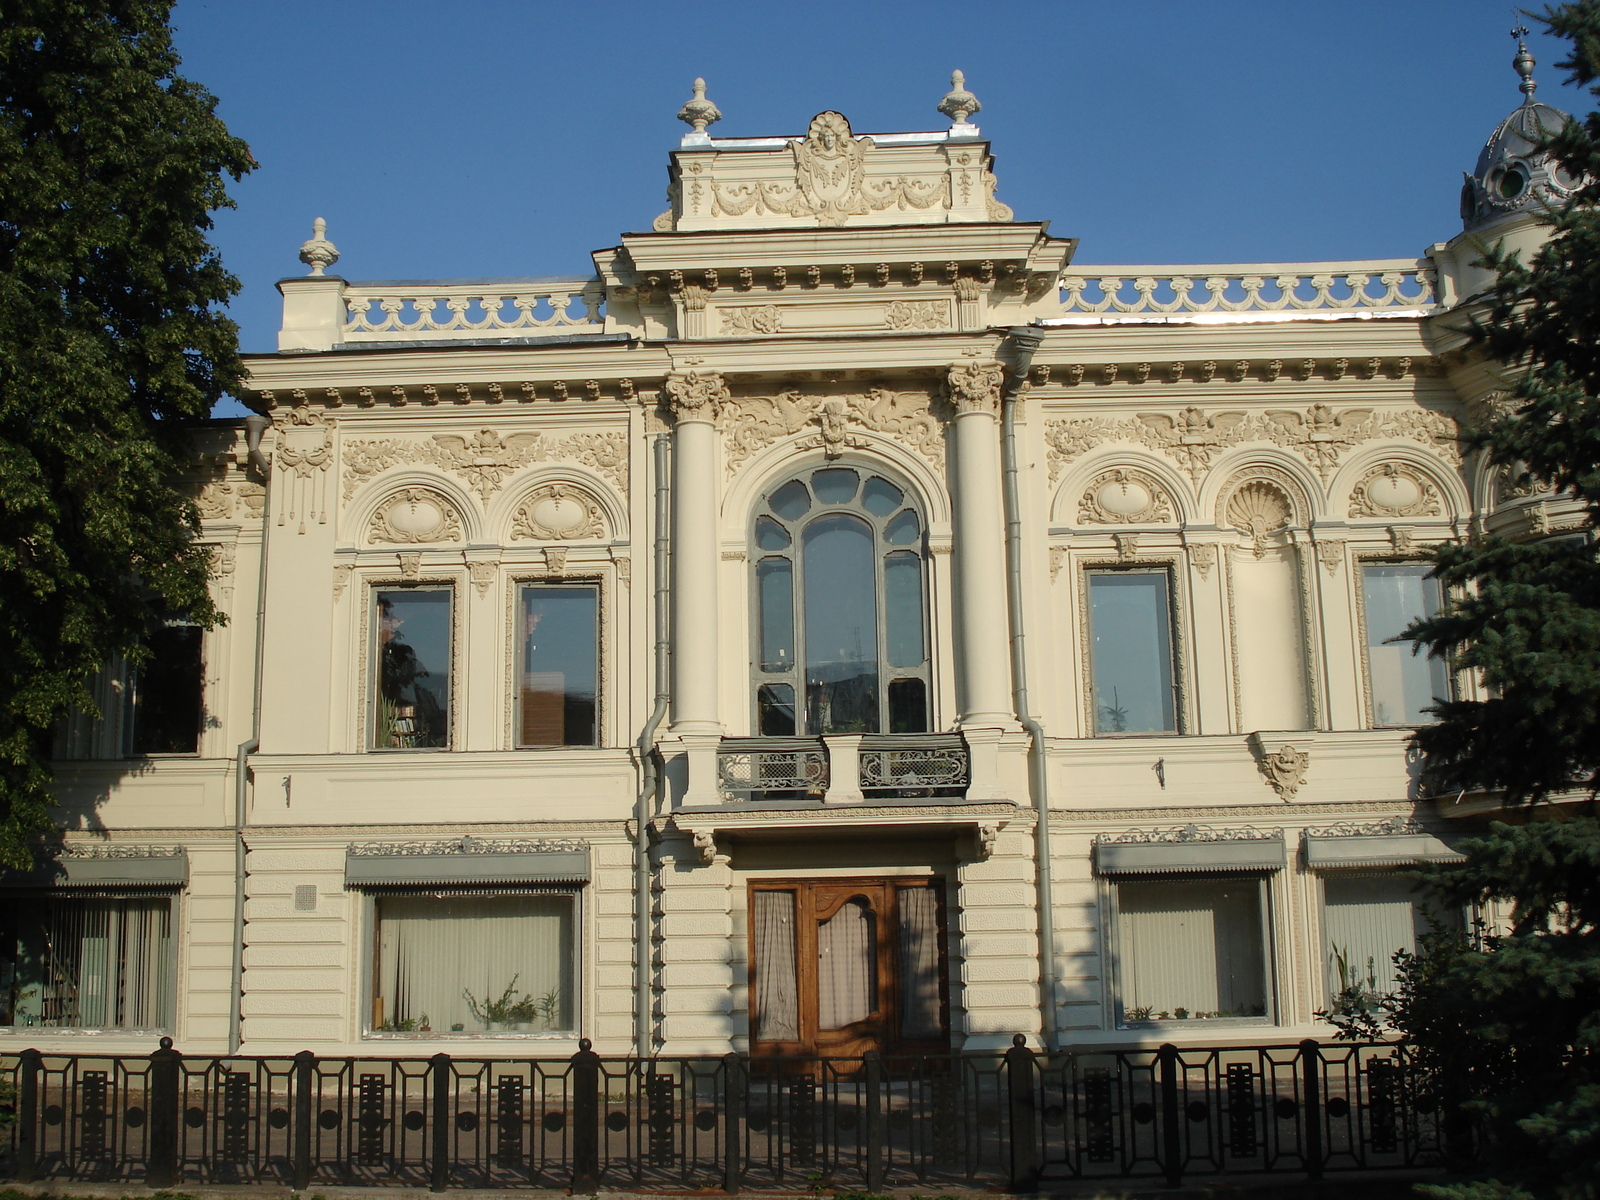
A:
(695, 396)
(975, 386)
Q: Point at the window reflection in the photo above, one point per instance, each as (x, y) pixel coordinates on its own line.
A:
(413, 670)
(839, 608)
(1404, 684)
(1131, 634)
(559, 665)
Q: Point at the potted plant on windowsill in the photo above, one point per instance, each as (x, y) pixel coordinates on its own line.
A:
(495, 1014)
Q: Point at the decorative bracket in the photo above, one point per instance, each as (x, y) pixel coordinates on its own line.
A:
(1280, 761)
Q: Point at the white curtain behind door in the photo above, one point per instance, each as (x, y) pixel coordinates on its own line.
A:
(846, 966)
(777, 990)
(919, 963)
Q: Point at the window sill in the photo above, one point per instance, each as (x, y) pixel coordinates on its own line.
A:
(1196, 1022)
(451, 1035)
(98, 1031)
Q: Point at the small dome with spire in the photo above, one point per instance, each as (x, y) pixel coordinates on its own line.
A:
(1513, 175)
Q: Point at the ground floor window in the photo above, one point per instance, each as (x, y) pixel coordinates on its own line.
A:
(86, 963)
(1191, 949)
(475, 963)
(1366, 920)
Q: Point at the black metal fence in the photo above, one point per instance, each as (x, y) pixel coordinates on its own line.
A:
(590, 1122)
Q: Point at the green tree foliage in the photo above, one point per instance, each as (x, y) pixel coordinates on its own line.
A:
(1509, 1026)
(110, 337)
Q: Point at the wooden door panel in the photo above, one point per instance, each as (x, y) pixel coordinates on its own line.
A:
(817, 902)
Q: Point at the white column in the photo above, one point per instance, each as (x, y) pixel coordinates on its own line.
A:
(983, 684)
(695, 399)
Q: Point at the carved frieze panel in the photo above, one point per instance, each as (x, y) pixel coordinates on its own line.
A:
(917, 314)
(558, 512)
(1393, 490)
(304, 452)
(415, 515)
(750, 320)
(1124, 497)
(486, 459)
(1195, 437)
(751, 424)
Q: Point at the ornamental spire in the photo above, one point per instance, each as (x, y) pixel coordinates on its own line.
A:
(698, 113)
(1524, 63)
(958, 103)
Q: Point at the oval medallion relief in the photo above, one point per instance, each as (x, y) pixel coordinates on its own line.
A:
(1124, 497)
(415, 515)
(1392, 491)
(557, 512)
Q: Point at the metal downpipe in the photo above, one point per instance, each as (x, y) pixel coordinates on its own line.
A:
(254, 427)
(1024, 342)
(648, 775)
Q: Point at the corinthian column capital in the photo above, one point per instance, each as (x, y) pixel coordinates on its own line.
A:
(975, 387)
(696, 395)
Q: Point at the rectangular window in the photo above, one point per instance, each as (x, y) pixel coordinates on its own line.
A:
(412, 655)
(1366, 919)
(167, 693)
(560, 665)
(1130, 633)
(1191, 949)
(1403, 684)
(71, 963)
(476, 963)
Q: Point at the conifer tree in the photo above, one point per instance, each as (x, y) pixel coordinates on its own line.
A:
(111, 337)
(1509, 1026)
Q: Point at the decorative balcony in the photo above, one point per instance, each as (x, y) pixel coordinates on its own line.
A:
(772, 768)
(844, 769)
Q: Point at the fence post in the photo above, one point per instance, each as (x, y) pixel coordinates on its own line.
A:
(439, 1167)
(1019, 1086)
(585, 1119)
(1311, 1104)
(32, 1062)
(1171, 1129)
(161, 1160)
(304, 1064)
(873, 1063)
(732, 1122)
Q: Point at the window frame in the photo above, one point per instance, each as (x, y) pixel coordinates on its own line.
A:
(1369, 700)
(174, 953)
(1111, 912)
(374, 666)
(1175, 645)
(132, 699)
(371, 967)
(795, 677)
(595, 583)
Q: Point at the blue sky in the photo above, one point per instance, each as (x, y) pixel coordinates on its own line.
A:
(511, 137)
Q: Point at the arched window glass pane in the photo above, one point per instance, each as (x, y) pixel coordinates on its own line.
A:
(791, 501)
(776, 704)
(835, 486)
(775, 583)
(770, 535)
(841, 626)
(908, 706)
(880, 497)
(903, 530)
(902, 608)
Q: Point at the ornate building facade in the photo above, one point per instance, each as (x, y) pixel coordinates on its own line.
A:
(840, 622)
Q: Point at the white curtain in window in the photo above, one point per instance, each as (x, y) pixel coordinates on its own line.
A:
(919, 963)
(1193, 945)
(777, 991)
(846, 966)
(107, 964)
(438, 956)
(1365, 919)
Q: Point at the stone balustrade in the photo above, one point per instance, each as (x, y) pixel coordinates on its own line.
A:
(404, 311)
(1247, 291)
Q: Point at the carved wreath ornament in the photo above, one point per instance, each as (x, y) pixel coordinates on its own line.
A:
(415, 515)
(1393, 491)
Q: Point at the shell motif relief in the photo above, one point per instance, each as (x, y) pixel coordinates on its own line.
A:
(1259, 508)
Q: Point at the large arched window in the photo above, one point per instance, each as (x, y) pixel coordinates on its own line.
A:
(839, 607)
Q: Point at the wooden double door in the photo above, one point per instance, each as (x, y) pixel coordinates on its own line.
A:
(843, 966)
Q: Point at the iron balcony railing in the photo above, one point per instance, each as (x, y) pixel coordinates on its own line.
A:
(914, 764)
(1017, 1120)
(874, 766)
(772, 768)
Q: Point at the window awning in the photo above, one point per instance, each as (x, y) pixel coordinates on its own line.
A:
(1375, 850)
(152, 870)
(1164, 857)
(367, 870)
